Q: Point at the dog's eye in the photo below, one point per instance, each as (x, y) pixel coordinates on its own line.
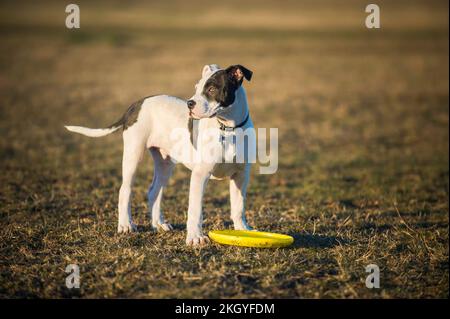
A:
(212, 89)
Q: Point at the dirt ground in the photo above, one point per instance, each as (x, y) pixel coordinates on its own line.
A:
(363, 177)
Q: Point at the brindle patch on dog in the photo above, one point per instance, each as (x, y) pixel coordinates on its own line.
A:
(131, 115)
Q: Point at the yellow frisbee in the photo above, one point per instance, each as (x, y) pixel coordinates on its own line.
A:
(249, 238)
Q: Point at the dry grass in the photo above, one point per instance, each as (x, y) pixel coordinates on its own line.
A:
(363, 175)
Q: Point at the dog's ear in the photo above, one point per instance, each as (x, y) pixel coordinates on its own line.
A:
(209, 68)
(239, 72)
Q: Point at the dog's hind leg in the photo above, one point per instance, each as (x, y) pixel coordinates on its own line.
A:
(133, 147)
(238, 190)
(163, 168)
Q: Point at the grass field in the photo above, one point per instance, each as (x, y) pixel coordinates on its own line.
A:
(363, 119)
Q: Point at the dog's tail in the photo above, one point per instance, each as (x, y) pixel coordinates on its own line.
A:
(127, 119)
(96, 132)
(93, 132)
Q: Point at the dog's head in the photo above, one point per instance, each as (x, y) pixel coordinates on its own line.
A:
(216, 90)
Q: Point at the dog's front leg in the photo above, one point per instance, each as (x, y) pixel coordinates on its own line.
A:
(238, 192)
(195, 236)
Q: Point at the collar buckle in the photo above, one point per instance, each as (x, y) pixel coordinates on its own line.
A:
(225, 128)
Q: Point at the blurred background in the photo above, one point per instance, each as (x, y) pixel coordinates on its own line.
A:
(363, 150)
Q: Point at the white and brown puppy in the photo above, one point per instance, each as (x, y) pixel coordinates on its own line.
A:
(219, 102)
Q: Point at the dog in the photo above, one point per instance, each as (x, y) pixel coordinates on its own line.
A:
(219, 102)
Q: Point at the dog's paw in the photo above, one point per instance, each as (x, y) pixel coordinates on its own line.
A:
(242, 226)
(126, 228)
(162, 226)
(197, 240)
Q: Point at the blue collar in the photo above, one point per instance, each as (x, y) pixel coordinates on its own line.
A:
(223, 127)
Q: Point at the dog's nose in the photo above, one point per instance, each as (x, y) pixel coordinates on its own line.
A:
(191, 104)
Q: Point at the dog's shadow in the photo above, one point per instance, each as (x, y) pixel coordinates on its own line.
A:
(149, 228)
(301, 240)
(316, 241)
